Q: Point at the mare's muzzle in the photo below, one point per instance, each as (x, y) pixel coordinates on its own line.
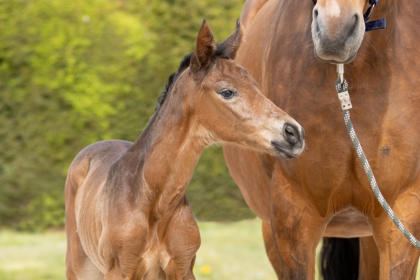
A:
(337, 38)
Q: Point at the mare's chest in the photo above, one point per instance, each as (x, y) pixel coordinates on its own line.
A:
(388, 127)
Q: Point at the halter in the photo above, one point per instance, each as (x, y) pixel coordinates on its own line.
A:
(374, 24)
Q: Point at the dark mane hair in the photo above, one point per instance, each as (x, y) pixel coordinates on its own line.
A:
(171, 80)
(219, 53)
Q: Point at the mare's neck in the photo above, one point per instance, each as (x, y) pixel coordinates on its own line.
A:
(398, 43)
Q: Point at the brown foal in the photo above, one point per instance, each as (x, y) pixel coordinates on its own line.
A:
(127, 214)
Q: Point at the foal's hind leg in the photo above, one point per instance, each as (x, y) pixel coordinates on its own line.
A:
(182, 241)
(78, 265)
(398, 257)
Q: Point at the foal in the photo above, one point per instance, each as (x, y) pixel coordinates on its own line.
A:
(127, 215)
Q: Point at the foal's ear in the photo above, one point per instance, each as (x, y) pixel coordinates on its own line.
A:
(231, 45)
(204, 50)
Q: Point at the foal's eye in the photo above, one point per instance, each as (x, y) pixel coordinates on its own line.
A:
(227, 93)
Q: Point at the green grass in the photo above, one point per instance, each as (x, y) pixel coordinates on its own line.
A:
(25, 256)
(228, 251)
(232, 251)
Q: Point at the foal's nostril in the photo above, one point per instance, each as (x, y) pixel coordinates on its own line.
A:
(316, 13)
(291, 134)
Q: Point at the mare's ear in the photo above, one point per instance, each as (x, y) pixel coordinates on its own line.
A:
(231, 45)
(204, 50)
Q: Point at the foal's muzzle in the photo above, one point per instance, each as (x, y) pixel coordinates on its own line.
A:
(294, 141)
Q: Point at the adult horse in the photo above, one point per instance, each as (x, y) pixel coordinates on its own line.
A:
(325, 191)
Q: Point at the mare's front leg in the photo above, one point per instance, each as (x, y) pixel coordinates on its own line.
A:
(295, 232)
(182, 240)
(369, 259)
(398, 257)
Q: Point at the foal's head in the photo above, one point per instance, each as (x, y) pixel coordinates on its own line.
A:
(226, 103)
(338, 28)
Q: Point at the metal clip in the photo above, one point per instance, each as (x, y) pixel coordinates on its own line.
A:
(342, 88)
(345, 101)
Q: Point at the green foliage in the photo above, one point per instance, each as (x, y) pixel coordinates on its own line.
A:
(212, 193)
(76, 72)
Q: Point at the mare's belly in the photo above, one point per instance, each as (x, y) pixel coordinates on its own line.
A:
(348, 223)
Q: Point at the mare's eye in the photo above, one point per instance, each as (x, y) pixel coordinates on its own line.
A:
(227, 93)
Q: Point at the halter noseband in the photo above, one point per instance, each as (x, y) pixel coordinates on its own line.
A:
(374, 24)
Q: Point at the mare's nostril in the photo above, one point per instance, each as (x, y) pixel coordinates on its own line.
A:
(316, 22)
(291, 134)
(353, 26)
(356, 19)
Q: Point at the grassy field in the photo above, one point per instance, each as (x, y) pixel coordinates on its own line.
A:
(228, 251)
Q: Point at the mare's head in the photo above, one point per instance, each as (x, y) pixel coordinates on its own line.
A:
(226, 103)
(338, 28)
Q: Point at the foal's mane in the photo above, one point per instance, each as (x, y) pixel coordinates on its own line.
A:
(171, 80)
(185, 62)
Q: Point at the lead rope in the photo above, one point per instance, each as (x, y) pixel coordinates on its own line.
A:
(344, 97)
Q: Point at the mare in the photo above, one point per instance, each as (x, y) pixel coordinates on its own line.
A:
(290, 49)
(127, 216)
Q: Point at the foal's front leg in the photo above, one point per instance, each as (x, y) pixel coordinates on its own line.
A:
(123, 246)
(114, 274)
(182, 240)
(127, 265)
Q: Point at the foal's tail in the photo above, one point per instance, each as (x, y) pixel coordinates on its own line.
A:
(340, 259)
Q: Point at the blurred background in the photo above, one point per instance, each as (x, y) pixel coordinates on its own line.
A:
(74, 72)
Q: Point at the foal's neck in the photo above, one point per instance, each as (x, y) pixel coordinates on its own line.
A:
(168, 151)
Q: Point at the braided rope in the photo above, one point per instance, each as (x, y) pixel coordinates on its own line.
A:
(343, 87)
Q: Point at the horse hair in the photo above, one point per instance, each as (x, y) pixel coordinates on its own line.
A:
(185, 62)
(171, 80)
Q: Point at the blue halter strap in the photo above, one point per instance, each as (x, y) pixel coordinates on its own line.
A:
(374, 24)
